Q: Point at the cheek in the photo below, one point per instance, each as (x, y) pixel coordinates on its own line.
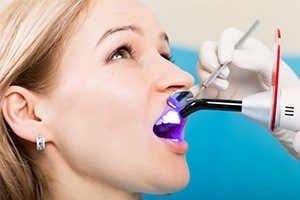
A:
(98, 128)
(102, 110)
(91, 118)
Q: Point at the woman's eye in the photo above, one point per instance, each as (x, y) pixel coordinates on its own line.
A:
(122, 52)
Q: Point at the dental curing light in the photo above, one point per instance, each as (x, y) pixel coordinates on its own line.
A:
(276, 108)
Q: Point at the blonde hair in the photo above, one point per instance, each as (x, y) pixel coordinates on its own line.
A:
(32, 36)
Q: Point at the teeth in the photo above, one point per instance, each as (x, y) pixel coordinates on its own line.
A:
(159, 122)
(170, 117)
(174, 140)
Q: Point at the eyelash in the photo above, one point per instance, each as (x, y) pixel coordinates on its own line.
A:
(127, 48)
(168, 57)
(124, 48)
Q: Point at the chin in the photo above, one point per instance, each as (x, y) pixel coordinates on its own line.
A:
(178, 183)
(173, 181)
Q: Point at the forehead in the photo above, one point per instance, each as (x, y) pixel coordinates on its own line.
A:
(107, 13)
(103, 15)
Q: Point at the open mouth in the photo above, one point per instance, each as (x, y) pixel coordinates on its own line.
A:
(170, 126)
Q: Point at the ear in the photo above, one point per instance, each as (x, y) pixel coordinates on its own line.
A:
(18, 108)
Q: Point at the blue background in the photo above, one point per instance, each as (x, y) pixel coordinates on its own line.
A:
(231, 157)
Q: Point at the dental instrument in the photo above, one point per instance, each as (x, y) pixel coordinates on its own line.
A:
(258, 107)
(276, 108)
(180, 98)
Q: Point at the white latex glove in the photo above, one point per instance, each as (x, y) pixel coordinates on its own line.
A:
(296, 143)
(250, 69)
(249, 72)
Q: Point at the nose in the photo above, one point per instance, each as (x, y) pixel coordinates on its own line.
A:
(172, 78)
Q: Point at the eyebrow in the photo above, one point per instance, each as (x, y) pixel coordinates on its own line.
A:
(134, 28)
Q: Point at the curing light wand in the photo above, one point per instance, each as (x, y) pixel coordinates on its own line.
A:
(211, 104)
(258, 107)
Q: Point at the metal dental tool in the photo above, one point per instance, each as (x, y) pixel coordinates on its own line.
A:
(181, 98)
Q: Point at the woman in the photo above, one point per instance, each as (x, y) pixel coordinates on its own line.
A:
(82, 85)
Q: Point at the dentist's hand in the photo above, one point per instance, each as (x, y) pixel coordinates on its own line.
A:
(249, 72)
(250, 69)
(296, 142)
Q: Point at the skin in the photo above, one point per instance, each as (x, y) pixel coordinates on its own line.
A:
(98, 120)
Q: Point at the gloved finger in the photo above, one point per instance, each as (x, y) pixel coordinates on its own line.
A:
(296, 142)
(219, 83)
(288, 77)
(227, 42)
(254, 44)
(203, 69)
(254, 62)
(230, 37)
(208, 56)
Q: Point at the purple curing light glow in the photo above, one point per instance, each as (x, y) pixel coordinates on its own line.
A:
(170, 125)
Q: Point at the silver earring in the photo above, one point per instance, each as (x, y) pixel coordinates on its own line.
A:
(40, 143)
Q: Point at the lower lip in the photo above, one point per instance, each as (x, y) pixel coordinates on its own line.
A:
(176, 147)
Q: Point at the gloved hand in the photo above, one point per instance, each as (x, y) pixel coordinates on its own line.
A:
(296, 143)
(249, 72)
(250, 69)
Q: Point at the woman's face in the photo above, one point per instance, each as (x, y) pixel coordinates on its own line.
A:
(113, 82)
